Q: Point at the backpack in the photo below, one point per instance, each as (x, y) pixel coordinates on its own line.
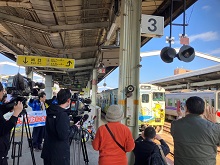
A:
(156, 158)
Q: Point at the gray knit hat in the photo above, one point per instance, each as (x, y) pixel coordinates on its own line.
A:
(114, 114)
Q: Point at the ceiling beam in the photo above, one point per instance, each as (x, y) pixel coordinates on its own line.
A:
(80, 68)
(26, 5)
(53, 28)
(9, 45)
(53, 50)
(84, 61)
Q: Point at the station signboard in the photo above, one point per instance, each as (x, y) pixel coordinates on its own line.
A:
(40, 61)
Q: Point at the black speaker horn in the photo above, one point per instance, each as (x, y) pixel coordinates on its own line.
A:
(167, 54)
(186, 53)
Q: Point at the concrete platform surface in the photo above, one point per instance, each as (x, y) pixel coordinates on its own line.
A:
(26, 158)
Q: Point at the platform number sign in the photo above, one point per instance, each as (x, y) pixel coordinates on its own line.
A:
(152, 26)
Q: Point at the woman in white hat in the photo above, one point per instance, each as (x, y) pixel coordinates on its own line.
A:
(114, 139)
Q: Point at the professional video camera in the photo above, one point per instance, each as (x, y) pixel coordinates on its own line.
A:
(18, 87)
(23, 86)
(78, 106)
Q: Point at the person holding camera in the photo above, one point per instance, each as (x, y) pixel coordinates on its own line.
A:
(38, 132)
(197, 135)
(6, 126)
(145, 147)
(56, 148)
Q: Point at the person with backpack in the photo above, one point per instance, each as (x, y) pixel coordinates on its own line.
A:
(146, 151)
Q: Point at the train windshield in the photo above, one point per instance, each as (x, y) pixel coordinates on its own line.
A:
(218, 98)
(158, 96)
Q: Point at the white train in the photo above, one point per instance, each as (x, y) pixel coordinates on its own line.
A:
(210, 97)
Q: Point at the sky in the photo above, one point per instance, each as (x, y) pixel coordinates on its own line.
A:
(204, 34)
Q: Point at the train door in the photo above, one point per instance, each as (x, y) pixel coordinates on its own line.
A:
(145, 108)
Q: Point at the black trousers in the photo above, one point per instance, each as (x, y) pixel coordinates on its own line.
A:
(56, 162)
(47, 162)
(3, 161)
(38, 135)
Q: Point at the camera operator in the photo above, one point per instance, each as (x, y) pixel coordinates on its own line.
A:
(38, 132)
(6, 126)
(56, 148)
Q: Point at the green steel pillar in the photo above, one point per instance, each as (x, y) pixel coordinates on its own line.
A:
(129, 64)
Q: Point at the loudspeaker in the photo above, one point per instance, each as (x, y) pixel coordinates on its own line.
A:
(167, 54)
(186, 53)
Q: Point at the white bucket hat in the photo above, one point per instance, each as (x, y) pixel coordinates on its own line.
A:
(114, 114)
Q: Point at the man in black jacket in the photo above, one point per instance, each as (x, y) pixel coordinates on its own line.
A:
(145, 146)
(6, 126)
(56, 148)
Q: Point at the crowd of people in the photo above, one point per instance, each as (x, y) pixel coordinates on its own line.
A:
(196, 136)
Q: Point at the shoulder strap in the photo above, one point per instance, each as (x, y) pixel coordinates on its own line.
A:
(114, 138)
(162, 154)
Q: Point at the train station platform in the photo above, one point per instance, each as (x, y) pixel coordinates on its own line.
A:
(26, 158)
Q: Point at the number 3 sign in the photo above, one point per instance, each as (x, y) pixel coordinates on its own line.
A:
(152, 26)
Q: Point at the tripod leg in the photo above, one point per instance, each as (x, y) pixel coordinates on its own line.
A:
(79, 148)
(84, 150)
(29, 138)
(14, 146)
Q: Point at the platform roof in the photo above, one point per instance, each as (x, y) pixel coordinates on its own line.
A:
(206, 78)
(75, 29)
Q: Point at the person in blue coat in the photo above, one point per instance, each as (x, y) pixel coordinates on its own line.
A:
(38, 132)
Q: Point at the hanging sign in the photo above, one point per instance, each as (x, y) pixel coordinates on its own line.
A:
(40, 61)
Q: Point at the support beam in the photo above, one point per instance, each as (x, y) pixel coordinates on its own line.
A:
(9, 45)
(26, 5)
(198, 54)
(54, 28)
(84, 61)
(53, 50)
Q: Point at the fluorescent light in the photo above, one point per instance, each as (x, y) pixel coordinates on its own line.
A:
(53, 71)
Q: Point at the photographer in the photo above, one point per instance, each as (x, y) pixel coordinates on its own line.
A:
(38, 132)
(56, 149)
(6, 126)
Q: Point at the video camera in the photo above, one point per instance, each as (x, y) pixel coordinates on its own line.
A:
(18, 87)
(78, 106)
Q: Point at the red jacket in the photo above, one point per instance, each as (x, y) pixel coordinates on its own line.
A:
(109, 152)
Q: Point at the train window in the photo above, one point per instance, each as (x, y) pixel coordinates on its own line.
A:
(115, 100)
(206, 101)
(145, 98)
(175, 102)
(158, 96)
(170, 102)
(213, 102)
(218, 98)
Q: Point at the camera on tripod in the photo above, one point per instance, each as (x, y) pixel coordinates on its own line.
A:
(19, 88)
(78, 106)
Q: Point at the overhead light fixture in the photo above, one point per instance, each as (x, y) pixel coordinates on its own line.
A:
(52, 71)
(110, 32)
